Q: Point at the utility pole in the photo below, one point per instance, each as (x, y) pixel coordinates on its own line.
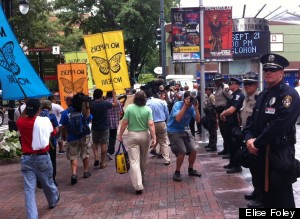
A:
(163, 40)
(202, 64)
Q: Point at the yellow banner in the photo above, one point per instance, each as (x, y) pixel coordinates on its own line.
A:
(81, 57)
(106, 53)
(72, 79)
(187, 49)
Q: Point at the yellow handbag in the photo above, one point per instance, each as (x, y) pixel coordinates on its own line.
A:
(122, 159)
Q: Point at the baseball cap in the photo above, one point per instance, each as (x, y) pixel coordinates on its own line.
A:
(32, 106)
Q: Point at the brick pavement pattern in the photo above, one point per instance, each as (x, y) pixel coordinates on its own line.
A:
(107, 194)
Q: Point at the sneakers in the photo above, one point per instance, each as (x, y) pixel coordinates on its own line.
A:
(61, 152)
(53, 206)
(193, 172)
(139, 192)
(73, 179)
(177, 177)
(109, 156)
(103, 165)
(167, 163)
(96, 163)
(159, 156)
(153, 152)
(86, 174)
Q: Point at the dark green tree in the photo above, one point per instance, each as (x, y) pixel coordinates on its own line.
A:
(41, 27)
(138, 20)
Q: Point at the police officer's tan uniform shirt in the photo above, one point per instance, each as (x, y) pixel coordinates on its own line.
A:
(209, 102)
(220, 94)
(247, 109)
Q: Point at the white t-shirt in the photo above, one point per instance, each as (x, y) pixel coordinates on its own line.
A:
(18, 111)
(56, 110)
(42, 129)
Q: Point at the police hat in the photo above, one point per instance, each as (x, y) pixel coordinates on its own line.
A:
(251, 76)
(274, 61)
(235, 81)
(218, 76)
(209, 85)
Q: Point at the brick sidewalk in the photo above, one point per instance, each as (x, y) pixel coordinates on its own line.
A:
(107, 194)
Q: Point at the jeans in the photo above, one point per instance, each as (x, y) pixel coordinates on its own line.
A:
(33, 167)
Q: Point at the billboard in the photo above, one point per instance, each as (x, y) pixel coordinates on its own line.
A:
(185, 34)
(218, 33)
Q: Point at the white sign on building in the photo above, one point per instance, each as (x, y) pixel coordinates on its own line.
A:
(55, 50)
(276, 40)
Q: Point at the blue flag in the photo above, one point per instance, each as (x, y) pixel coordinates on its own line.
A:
(18, 77)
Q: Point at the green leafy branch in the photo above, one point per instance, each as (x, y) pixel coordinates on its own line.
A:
(9, 144)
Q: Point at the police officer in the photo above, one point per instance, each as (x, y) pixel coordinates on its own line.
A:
(270, 134)
(222, 94)
(232, 118)
(210, 112)
(250, 82)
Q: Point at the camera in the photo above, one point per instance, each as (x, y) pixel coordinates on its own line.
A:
(193, 100)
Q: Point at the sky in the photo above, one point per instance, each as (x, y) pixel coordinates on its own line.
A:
(253, 7)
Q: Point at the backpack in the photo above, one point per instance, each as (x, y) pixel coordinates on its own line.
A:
(78, 125)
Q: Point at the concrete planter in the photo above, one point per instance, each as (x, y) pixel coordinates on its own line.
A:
(13, 160)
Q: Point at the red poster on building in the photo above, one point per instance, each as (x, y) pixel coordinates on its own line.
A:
(218, 33)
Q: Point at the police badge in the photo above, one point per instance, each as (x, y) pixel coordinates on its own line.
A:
(287, 101)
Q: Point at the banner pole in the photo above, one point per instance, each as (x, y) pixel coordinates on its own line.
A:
(112, 84)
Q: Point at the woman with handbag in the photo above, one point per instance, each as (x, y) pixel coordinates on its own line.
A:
(138, 119)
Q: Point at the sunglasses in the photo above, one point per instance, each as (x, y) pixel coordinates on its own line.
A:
(231, 82)
(249, 83)
(270, 70)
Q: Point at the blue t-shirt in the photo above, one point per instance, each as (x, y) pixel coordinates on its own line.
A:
(173, 125)
(99, 110)
(64, 121)
(52, 117)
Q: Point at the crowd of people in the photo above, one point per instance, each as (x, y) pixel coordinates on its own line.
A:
(263, 124)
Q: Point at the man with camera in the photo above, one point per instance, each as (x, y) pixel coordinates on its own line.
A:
(181, 140)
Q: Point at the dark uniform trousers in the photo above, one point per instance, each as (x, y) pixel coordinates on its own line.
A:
(212, 131)
(223, 130)
(235, 142)
(257, 182)
(280, 194)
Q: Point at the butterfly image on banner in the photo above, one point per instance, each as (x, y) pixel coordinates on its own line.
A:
(7, 58)
(105, 66)
(70, 87)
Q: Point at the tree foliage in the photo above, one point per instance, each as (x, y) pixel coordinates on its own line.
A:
(41, 28)
(64, 22)
(138, 20)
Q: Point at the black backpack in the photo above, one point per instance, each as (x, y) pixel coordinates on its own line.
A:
(78, 124)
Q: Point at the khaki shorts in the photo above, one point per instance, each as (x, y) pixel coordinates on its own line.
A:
(181, 142)
(101, 137)
(76, 148)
